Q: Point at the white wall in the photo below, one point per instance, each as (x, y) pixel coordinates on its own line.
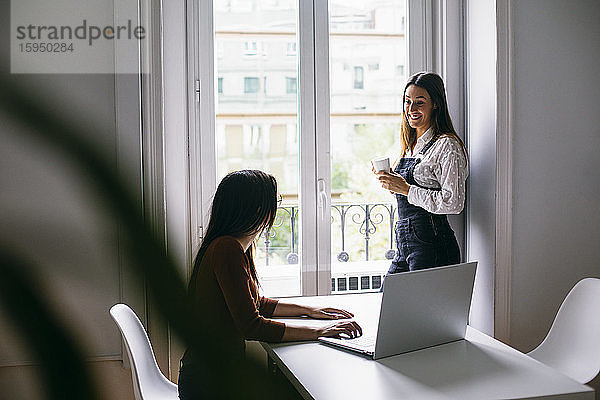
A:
(545, 55)
(556, 181)
(50, 214)
(481, 140)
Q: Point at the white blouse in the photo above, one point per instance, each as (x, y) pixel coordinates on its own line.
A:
(443, 167)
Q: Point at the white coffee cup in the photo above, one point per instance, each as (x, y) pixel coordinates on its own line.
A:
(381, 164)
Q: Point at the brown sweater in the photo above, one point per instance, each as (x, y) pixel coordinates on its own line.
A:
(227, 296)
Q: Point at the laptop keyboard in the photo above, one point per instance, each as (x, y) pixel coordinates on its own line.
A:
(363, 341)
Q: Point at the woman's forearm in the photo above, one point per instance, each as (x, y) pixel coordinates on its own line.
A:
(290, 310)
(294, 333)
(302, 332)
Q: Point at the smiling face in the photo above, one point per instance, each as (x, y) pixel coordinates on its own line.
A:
(418, 108)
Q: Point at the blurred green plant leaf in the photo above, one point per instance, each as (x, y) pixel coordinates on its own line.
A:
(150, 261)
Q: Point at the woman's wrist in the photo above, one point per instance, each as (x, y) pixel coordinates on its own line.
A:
(305, 310)
(295, 332)
(320, 331)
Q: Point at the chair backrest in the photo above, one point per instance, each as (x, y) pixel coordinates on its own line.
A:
(148, 381)
(573, 343)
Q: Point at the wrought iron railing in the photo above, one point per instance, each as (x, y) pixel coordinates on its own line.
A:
(367, 219)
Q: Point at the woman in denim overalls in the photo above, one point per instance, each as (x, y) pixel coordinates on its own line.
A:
(428, 181)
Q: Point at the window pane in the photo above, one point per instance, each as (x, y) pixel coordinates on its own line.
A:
(290, 86)
(358, 78)
(257, 124)
(250, 85)
(367, 58)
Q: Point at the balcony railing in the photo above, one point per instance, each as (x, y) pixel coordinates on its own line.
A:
(353, 225)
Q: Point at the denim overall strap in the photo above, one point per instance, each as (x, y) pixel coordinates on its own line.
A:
(427, 146)
(406, 168)
(410, 165)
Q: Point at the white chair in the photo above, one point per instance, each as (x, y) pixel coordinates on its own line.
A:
(572, 345)
(148, 381)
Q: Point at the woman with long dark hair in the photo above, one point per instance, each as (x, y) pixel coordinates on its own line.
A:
(428, 180)
(224, 284)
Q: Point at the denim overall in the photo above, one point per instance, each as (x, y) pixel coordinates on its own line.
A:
(423, 239)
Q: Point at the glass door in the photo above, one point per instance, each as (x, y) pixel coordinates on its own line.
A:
(256, 72)
(310, 91)
(368, 63)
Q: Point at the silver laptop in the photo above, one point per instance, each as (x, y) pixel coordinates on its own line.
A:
(419, 309)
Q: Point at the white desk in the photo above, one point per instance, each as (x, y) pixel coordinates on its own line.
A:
(479, 367)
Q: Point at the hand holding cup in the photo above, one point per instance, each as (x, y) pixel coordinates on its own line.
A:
(389, 180)
(381, 164)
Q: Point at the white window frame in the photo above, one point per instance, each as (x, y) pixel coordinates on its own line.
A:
(315, 182)
(419, 35)
(202, 121)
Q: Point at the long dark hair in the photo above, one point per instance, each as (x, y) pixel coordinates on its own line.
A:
(245, 203)
(441, 123)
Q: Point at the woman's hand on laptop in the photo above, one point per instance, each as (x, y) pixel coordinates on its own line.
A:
(341, 329)
(328, 313)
